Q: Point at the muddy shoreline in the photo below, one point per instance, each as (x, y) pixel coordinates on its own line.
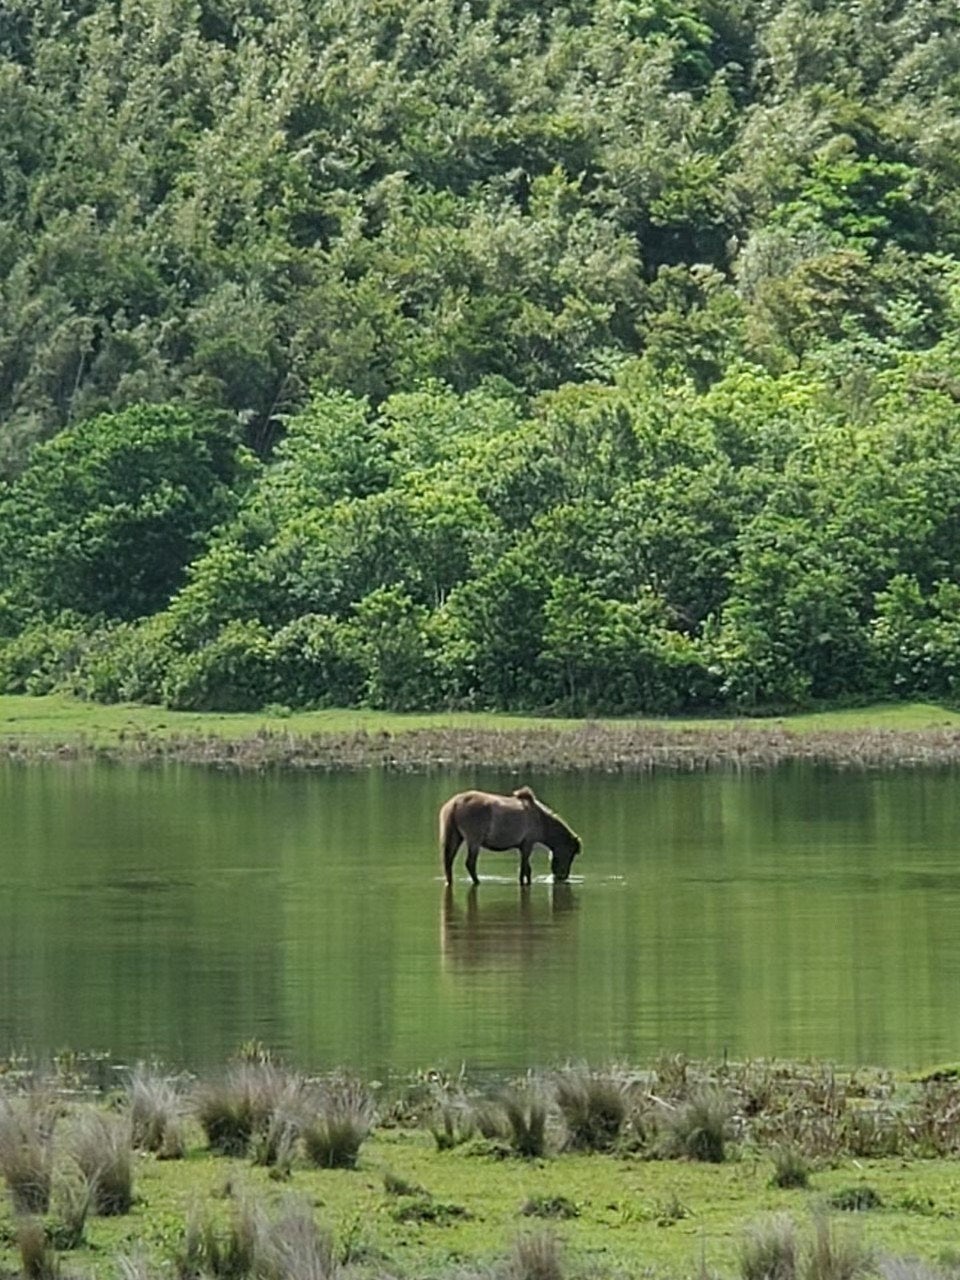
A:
(627, 750)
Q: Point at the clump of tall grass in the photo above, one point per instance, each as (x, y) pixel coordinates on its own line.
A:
(102, 1146)
(137, 1267)
(452, 1121)
(770, 1250)
(790, 1168)
(526, 1111)
(488, 1117)
(275, 1145)
(157, 1114)
(698, 1128)
(221, 1253)
(871, 1134)
(338, 1123)
(672, 1076)
(289, 1247)
(593, 1105)
(72, 1202)
(836, 1254)
(26, 1151)
(936, 1117)
(535, 1255)
(891, 1267)
(38, 1259)
(232, 1109)
(293, 1247)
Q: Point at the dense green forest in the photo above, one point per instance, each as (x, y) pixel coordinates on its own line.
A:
(599, 356)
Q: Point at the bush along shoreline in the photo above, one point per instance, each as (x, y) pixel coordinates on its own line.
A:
(263, 1171)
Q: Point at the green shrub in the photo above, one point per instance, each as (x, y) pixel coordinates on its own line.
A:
(549, 1207)
(314, 663)
(424, 1208)
(126, 661)
(231, 673)
(857, 1199)
(43, 657)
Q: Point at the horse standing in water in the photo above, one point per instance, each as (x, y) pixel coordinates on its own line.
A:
(519, 821)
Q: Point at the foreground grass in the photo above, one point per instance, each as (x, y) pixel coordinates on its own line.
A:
(412, 1208)
(632, 1215)
(61, 727)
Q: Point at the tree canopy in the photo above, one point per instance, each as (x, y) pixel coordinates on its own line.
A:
(595, 356)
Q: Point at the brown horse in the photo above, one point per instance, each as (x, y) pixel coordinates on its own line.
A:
(518, 821)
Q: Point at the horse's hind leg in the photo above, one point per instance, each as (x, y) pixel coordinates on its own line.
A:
(473, 852)
(525, 873)
(451, 843)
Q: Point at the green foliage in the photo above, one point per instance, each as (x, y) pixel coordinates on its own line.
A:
(599, 357)
(107, 515)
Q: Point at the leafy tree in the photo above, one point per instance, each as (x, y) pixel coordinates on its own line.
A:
(108, 515)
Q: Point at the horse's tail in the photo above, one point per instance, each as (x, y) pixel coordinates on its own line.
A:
(526, 795)
(450, 838)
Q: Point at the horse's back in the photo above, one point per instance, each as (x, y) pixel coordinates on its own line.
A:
(486, 818)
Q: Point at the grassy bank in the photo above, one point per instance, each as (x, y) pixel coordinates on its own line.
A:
(424, 1195)
(62, 728)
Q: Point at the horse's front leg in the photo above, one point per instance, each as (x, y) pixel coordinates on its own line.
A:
(473, 851)
(525, 873)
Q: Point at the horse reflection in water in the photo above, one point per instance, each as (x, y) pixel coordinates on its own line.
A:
(505, 933)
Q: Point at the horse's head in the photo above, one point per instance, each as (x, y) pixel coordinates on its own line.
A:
(564, 847)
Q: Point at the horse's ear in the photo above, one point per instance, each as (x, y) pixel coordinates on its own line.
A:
(526, 795)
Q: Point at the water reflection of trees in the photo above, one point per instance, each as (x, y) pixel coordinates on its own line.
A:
(504, 932)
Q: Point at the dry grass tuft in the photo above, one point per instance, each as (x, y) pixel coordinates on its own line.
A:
(102, 1146)
(338, 1124)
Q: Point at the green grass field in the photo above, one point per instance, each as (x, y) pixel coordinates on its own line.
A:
(673, 1219)
(62, 718)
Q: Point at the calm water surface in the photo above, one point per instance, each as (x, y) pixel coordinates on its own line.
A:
(175, 913)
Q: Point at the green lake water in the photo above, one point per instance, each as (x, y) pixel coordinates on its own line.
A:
(175, 913)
